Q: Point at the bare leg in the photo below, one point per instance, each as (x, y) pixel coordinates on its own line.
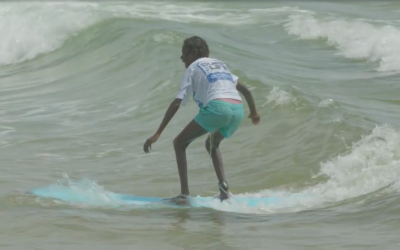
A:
(212, 146)
(181, 142)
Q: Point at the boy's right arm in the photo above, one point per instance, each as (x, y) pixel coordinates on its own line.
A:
(255, 117)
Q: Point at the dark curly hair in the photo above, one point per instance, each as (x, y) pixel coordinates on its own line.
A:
(198, 44)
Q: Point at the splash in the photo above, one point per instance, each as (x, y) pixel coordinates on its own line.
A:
(35, 28)
(280, 97)
(166, 38)
(371, 164)
(88, 193)
(355, 39)
(326, 103)
(31, 29)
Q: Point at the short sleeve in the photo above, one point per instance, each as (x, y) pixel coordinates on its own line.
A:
(185, 90)
(235, 78)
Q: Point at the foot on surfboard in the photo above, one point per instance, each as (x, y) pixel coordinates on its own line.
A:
(224, 194)
(179, 200)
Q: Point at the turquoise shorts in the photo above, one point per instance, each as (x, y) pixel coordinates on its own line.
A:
(219, 115)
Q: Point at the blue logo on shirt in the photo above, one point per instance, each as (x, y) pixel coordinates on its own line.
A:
(213, 77)
(215, 71)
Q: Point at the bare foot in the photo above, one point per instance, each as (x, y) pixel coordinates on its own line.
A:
(178, 200)
(223, 196)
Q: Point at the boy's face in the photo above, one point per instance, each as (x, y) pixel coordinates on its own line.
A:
(188, 56)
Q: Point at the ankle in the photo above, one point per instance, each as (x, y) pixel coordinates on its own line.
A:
(223, 186)
(185, 193)
(183, 196)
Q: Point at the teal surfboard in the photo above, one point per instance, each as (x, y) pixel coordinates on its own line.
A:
(69, 195)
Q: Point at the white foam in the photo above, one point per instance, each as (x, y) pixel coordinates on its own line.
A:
(326, 103)
(278, 10)
(280, 97)
(372, 164)
(200, 13)
(30, 29)
(357, 39)
(165, 38)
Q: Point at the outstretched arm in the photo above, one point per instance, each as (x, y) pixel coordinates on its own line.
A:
(255, 117)
(173, 107)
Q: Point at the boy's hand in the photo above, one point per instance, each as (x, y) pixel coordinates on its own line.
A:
(151, 140)
(255, 118)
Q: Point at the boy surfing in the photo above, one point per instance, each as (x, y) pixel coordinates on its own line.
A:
(216, 92)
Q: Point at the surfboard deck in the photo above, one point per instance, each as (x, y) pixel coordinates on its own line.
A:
(68, 195)
(197, 200)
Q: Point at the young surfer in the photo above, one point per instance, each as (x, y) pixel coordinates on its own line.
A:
(216, 91)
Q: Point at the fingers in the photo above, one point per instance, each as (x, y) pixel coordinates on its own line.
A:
(255, 120)
(146, 146)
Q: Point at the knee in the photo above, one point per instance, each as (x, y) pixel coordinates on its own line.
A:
(178, 143)
(175, 142)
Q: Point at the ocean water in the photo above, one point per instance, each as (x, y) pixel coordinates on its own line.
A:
(84, 84)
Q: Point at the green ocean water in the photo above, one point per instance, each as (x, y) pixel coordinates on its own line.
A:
(84, 84)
